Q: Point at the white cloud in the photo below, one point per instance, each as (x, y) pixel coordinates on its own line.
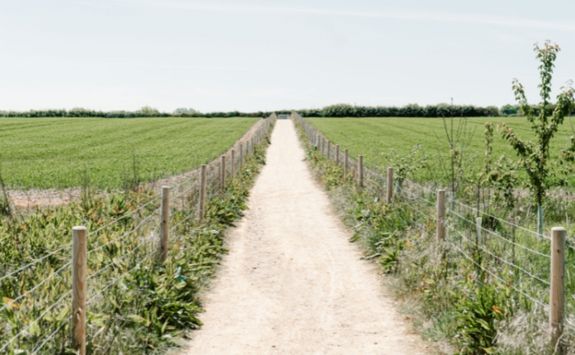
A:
(439, 17)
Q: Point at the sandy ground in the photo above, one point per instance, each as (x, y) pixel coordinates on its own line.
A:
(292, 283)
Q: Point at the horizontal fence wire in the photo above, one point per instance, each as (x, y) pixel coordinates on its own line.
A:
(35, 262)
(494, 275)
(38, 285)
(497, 235)
(183, 221)
(502, 220)
(505, 261)
(49, 338)
(101, 291)
(68, 245)
(116, 260)
(127, 233)
(35, 321)
(131, 213)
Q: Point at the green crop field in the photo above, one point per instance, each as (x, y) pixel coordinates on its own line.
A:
(61, 152)
(378, 138)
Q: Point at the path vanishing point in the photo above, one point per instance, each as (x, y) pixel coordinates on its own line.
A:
(292, 282)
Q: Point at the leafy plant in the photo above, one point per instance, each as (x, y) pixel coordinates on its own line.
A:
(405, 165)
(477, 313)
(500, 175)
(545, 121)
(458, 136)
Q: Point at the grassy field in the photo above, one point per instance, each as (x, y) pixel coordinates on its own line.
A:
(59, 152)
(377, 138)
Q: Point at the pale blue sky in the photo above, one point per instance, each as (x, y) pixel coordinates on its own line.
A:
(264, 55)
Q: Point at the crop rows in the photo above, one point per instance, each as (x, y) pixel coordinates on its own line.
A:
(383, 140)
(104, 153)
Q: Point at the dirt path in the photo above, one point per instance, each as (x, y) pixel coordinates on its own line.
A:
(292, 283)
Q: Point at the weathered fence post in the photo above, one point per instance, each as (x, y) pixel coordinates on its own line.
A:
(360, 171)
(164, 223)
(440, 228)
(79, 287)
(337, 154)
(346, 162)
(223, 173)
(557, 311)
(233, 166)
(328, 150)
(389, 192)
(202, 191)
(317, 142)
(241, 154)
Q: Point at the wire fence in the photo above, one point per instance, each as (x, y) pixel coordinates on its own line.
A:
(501, 251)
(132, 238)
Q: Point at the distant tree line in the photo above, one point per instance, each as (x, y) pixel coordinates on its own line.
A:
(143, 112)
(339, 110)
(413, 110)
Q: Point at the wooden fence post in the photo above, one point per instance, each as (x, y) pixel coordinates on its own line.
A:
(241, 154)
(360, 171)
(557, 276)
(202, 192)
(233, 162)
(337, 154)
(317, 141)
(79, 287)
(440, 228)
(346, 162)
(389, 194)
(164, 223)
(223, 173)
(328, 150)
